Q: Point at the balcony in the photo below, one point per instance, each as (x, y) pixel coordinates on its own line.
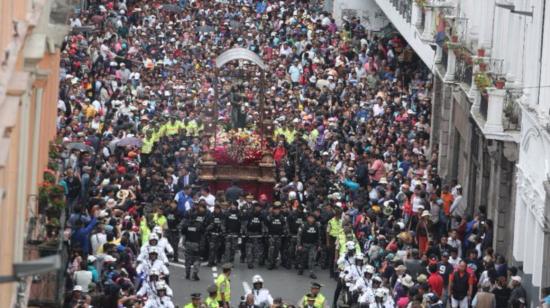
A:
(484, 105)
(464, 71)
(497, 114)
(404, 7)
(415, 24)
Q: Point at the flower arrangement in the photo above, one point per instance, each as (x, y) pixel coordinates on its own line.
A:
(482, 80)
(237, 146)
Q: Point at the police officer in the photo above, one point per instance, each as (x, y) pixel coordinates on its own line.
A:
(211, 301)
(254, 231)
(215, 231)
(295, 220)
(195, 301)
(314, 299)
(223, 284)
(276, 228)
(193, 229)
(309, 243)
(173, 220)
(232, 225)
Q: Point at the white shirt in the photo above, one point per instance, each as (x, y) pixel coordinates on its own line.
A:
(83, 279)
(262, 297)
(97, 241)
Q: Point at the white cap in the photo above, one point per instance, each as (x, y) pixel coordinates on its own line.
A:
(292, 195)
(109, 258)
(350, 245)
(153, 236)
(359, 256)
(516, 278)
(91, 259)
(157, 230)
(369, 269)
(257, 279)
(77, 288)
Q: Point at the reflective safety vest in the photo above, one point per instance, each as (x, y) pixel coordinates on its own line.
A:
(224, 286)
(335, 227)
(319, 301)
(211, 302)
(147, 146)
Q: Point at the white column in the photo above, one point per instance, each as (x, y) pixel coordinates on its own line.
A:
(428, 34)
(473, 94)
(519, 213)
(416, 15)
(486, 24)
(494, 112)
(451, 66)
(438, 54)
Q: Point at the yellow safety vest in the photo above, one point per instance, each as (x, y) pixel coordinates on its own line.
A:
(335, 227)
(211, 302)
(224, 286)
(190, 305)
(147, 146)
(319, 301)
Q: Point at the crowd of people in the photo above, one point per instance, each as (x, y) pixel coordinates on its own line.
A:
(357, 192)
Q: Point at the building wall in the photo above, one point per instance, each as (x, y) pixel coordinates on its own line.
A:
(28, 107)
(371, 16)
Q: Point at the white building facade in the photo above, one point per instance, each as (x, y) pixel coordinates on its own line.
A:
(491, 106)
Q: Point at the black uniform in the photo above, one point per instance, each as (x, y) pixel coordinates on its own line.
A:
(294, 221)
(193, 229)
(276, 228)
(309, 240)
(173, 219)
(254, 229)
(233, 226)
(214, 232)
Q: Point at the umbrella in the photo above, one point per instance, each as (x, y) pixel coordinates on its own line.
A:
(172, 8)
(205, 29)
(82, 147)
(130, 141)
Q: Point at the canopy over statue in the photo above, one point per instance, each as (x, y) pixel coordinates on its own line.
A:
(240, 153)
(239, 54)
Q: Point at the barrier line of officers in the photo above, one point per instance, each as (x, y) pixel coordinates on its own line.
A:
(286, 236)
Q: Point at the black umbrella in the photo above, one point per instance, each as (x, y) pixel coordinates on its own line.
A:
(130, 141)
(82, 147)
(172, 8)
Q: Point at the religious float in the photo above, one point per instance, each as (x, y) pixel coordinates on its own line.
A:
(239, 153)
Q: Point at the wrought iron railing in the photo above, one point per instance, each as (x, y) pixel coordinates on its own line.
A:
(444, 58)
(464, 71)
(484, 104)
(404, 7)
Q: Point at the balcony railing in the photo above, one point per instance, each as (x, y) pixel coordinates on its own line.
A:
(484, 105)
(464, 71)
(404, 7)
(444, 58)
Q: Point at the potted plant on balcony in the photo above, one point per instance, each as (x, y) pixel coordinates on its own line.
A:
(481, 52)
(482, 81)
(483, 66)
(500, 83)
(421, 3)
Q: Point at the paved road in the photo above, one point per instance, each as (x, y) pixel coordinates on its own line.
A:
(281, 282)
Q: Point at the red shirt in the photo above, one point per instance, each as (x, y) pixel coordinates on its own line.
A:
(436, 283)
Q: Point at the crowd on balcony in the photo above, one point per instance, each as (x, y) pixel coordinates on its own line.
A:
(351, 141)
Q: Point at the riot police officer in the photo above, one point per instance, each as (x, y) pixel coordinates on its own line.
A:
(254, 230)
(276, 228)
(193, 229)
(309, 243)
(295, 220)
(232, 225)
(214, 233)
(173, 220)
